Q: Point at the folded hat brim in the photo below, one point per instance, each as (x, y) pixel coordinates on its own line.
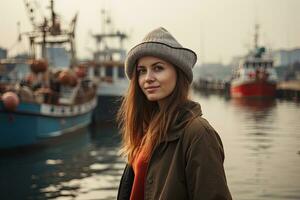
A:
(182, 58)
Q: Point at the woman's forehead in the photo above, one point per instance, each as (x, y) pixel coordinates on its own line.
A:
(149, 60)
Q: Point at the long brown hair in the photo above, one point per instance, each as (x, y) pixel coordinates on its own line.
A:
(144, 123)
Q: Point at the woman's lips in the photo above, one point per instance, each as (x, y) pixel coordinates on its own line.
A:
(151, 89)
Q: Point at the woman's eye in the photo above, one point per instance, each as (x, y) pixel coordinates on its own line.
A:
(141, 71)
(158, 68)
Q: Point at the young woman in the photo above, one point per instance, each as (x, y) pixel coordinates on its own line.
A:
(173, 153)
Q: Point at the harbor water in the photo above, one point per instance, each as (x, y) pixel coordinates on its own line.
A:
(261, 139)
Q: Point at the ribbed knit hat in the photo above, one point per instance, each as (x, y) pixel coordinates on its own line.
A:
(160, 43)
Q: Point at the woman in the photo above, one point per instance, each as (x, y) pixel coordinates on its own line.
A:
(173, 153)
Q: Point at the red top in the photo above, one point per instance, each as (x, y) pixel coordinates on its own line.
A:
(140, 168)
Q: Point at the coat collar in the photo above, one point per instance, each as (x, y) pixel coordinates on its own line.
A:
(186, 113)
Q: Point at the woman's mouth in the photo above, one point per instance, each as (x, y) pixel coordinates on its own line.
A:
(151, 89)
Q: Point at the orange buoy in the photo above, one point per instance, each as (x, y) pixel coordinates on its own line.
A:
(80, 71)
(10, 101)
(64, 77)
(30, 78)
(68, 78)
(39, 66)
(73, 80)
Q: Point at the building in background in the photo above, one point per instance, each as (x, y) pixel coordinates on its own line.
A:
(286, 57)
(212, 71)
(3, 53)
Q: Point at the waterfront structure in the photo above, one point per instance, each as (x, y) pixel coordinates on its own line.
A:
(286, 57)
(3, 53)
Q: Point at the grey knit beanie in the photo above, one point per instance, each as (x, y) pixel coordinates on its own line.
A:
(160, 43)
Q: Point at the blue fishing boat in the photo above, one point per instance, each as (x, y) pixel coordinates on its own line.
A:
(32, 123)
(47, 100)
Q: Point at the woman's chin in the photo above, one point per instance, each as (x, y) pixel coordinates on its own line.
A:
(153, 98)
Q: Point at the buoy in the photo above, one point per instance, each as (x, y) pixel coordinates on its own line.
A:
(80, 71)
(39, 66)
(30, 78)
(64, 77)
(72, 80)
(10, 101)
(67, 77)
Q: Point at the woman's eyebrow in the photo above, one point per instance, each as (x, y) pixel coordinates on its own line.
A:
(152, 65)
(140, 66)
(159, 62)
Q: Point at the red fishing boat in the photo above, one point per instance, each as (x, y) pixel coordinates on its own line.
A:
(255, 75)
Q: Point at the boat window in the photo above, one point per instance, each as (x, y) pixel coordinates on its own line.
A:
(121, 72)
(109, 71)
(97, 71)
(270, 64)
(259, 65)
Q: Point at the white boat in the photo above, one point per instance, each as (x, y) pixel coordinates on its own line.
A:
(108, 63)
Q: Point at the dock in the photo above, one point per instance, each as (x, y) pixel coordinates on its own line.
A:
(289, 90)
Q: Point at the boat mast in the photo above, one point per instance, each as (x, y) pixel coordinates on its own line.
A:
(256, 36)
(53, 15)
(44, 32)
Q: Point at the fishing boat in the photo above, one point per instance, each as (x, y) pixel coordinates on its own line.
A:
(255, 75)
(108, 65)
(51, 100)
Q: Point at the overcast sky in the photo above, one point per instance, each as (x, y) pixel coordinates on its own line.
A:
(216, 30)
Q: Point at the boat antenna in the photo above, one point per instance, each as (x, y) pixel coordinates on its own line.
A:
(103, 13)
(53, 15)
(256, 35)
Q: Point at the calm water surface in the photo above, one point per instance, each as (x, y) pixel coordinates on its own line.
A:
(261, 141)
(262, 145)
(85, 166)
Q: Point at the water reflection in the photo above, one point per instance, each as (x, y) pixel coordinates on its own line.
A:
(261, 141)
(254, 104)
(258, 125)
(85, 166)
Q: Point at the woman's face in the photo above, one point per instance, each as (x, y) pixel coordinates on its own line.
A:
(157, 78)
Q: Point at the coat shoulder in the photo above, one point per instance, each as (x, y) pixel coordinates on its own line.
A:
(198, 127)
(199, 130)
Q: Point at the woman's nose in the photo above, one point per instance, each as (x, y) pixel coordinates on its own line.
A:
(149, 76)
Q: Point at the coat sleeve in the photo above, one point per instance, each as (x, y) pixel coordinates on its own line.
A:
(205, 175)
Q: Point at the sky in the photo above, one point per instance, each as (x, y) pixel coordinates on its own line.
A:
(217, 30)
